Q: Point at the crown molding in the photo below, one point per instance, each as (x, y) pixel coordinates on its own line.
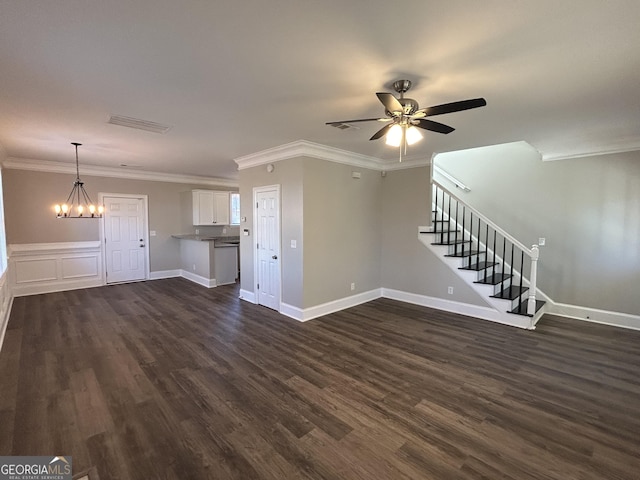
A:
(304, 148)
(92, 170)
(629, 147)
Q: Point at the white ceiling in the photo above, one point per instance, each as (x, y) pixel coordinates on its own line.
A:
(236, 77)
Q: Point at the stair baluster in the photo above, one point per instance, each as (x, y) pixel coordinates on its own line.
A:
(448, 209)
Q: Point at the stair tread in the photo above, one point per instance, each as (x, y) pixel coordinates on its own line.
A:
(463, 253)
(451, 242)
(521, 309)
(494, 279)
(476, 267)
(510, 293)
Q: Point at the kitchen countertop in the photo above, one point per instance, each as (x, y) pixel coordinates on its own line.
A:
(228, 241)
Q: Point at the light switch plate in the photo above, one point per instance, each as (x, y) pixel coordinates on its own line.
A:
(294, 244)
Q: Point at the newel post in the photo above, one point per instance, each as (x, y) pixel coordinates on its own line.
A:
(531, 304)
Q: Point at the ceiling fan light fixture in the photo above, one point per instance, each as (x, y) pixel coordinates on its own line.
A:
(394, 136)
(413, 135)
(407, 118)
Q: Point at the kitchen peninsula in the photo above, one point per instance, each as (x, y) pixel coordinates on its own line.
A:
(209, 261)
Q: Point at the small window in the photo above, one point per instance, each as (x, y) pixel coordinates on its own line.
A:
(235, 208)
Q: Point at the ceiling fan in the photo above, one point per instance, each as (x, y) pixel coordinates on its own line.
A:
(404, 114)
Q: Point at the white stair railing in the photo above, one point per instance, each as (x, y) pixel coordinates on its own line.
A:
(464, 219)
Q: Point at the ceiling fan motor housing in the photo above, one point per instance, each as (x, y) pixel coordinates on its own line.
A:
(409, 107)
(402, 86)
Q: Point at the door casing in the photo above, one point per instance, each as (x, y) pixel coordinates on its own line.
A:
(145, 230)
(256, 264)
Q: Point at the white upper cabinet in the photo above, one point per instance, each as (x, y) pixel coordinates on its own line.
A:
(210, 207)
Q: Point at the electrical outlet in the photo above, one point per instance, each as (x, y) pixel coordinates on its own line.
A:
(450, 290)
(224, 230)
(542, 241)
(353, 286)
(197, 231)
(194, 267)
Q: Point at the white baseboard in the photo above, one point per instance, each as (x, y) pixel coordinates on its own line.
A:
(160, 274)
(248, 296)
(306, 314)
(205, 282)
(6, 301)
(58, 286)
(477, 311)
(605, 317)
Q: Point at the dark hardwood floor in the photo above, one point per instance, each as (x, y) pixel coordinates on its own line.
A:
(166, 379)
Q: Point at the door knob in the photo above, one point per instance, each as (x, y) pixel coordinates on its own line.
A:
(275, 257)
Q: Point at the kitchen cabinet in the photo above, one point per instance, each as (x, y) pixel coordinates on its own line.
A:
(210, 207)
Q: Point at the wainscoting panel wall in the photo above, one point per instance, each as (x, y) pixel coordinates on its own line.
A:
(51, 267)
(5, 304)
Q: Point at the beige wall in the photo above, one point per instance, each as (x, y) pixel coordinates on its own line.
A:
(337, 244)
(406, 264)
(287, 174)
(588, 210)
(365, 231)
(29, 198)
(342, 221)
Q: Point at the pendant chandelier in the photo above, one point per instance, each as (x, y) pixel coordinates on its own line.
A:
(78, 204)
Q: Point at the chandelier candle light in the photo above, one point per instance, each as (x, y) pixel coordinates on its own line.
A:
(78, 204)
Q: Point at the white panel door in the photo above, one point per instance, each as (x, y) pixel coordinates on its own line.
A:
(125, 239)
(268, 247)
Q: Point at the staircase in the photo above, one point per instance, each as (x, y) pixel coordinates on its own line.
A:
(493, 263)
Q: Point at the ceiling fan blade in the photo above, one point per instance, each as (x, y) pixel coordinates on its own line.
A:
(433, 126)
(390, 102)
(382, 132)
(355, 121)
(454, 107)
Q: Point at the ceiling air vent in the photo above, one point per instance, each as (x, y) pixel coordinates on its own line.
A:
(138, 124)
